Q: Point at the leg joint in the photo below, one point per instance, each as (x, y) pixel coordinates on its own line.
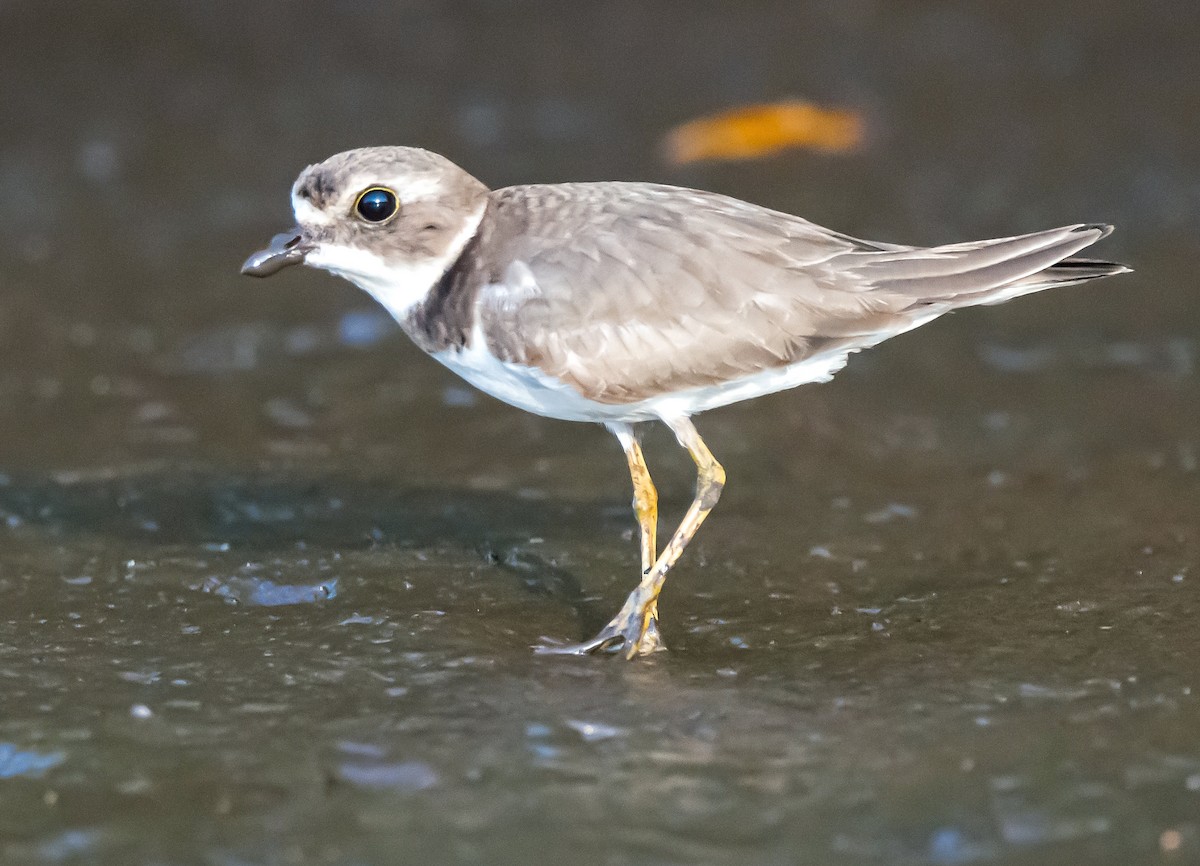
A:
(709, 486)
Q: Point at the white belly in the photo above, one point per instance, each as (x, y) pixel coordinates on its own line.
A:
(532, 390)
(526, 387)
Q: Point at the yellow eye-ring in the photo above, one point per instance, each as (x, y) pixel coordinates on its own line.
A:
(376, 204)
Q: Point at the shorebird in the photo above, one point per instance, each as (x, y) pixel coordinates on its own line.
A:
(621, 303)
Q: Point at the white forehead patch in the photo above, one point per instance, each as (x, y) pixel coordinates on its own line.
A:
(306, 214)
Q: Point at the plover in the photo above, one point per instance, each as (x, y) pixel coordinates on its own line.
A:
(620, 303)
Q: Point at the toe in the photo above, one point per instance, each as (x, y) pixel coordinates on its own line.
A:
(603, 642)
(650, 641)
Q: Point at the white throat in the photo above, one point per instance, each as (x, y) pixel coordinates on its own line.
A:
(398, 287)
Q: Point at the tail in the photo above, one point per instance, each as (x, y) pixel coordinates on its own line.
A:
(985, 272)
(1071, 271)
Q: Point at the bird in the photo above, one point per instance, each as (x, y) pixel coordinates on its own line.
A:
(621, 303)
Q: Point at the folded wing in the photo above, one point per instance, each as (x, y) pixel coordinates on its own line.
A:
(629, 291)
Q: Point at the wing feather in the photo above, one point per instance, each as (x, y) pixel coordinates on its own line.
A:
(642, 289)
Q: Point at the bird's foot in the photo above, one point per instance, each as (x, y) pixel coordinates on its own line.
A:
(632, 632)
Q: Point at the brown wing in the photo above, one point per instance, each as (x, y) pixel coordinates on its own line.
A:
(627, 291)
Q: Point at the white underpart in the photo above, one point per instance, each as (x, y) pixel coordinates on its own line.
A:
(534, 391)
(398, 286)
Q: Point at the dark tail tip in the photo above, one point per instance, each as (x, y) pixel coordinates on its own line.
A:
(1086, 269)
(1103, 228)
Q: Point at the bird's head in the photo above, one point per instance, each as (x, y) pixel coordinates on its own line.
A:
(391, 220)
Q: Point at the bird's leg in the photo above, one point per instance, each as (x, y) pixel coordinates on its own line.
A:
(641, 608)
(645, 501)
(645, 506)
(631, 629)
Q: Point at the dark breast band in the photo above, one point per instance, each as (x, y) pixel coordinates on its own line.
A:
(445, 319)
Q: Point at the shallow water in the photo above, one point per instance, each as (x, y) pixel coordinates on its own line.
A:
(269, 577)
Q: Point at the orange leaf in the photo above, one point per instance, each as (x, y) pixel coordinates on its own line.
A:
(761, 130)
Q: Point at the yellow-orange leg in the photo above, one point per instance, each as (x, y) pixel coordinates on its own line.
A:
(645, 507)
(634, 629)
(645, 496)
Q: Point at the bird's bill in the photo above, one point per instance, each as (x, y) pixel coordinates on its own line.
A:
(286, 248)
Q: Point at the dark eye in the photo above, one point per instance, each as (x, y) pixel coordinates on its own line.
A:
(376, 204)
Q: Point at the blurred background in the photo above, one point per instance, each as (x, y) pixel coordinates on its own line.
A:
(269, 576)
